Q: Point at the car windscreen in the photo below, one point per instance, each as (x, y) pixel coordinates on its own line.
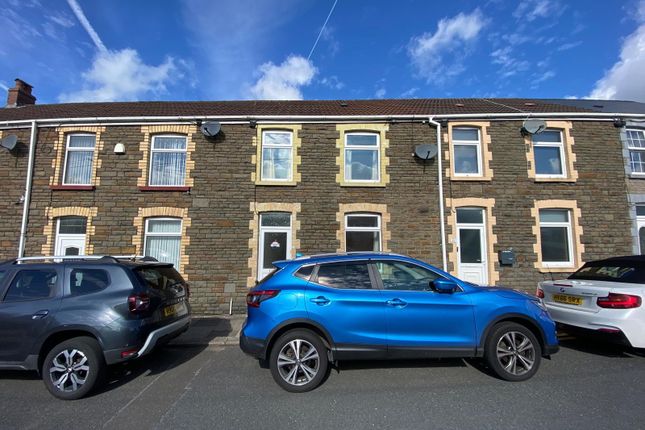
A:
(632, 273)
(159, 277)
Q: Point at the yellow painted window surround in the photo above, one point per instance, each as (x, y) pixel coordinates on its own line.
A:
(363, 146)
(273, 146)
(565, 147)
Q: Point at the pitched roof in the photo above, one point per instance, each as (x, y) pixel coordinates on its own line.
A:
(251, 108)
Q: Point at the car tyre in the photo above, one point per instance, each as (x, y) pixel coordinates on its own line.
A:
(73, 368)
(512, 352)
(298, 361)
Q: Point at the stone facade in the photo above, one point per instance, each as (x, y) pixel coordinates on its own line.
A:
(221, 202)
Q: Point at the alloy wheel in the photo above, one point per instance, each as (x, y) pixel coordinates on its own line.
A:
(516, 353)
(69, 370)
(298, 362)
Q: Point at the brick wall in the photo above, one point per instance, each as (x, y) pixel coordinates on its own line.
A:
(218, 204)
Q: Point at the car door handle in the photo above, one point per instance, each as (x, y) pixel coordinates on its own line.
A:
(320, 300)
(397, 303)
(40, 314)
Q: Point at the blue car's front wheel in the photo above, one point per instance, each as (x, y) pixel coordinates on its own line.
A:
(298, 361)
(513, 352)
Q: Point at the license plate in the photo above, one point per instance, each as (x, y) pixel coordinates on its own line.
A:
(171, 310)
(569, 300)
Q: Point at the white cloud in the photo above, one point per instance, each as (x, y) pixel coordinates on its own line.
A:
(122, 75)
(439, 55)
(380, 93)
(570, 45)
(332, 82)
(625, 79)
(409, 93)
(4, 87)
(530, 10)
(510, 65)
(284, 81)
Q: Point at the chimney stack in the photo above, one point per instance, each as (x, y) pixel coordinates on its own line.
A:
(20, 95)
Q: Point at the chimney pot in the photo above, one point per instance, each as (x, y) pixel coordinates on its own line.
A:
(20, 94)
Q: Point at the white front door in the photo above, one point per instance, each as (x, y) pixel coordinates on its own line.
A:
(70, 244)
(275, 240)
(70, 236)
(641, 235)
(471, 246)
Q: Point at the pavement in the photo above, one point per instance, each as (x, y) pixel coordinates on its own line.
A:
(221, 330)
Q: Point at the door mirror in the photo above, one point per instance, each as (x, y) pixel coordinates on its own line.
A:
(442, 285)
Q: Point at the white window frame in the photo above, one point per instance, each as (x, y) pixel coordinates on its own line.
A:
(68, 150)
(376, 148)
(367, 229)
(477, 144)
(162, 234)
(153, 150)
(278, 146)
(568, 226)
(631, 148)
(560, 146)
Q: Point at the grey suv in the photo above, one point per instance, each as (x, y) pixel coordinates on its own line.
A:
(70, 317)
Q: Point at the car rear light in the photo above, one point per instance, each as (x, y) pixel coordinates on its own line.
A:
(129, 353)
(619, 301)
(539, 293)
(254, 298)
(138, 302)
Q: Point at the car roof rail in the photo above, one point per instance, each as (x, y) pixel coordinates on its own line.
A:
(60, 258)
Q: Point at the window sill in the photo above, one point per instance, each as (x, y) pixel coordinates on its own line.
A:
(637, 176)
(470, 178)
(155, 188)
(277, 183)
(72, 187)
(363, 184)
(570, 180)
(568, 269)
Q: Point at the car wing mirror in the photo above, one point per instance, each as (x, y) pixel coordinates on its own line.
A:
(444, 286)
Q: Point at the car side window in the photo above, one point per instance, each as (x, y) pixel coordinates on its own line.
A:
(305, 272)
(87, 281)
(397, 275)
(345, 275)
(31, 284)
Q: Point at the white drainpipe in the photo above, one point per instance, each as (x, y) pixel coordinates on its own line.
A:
(442, 217)
(30, 175)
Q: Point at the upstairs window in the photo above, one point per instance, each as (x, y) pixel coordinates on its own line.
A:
(277, 155)
(79, 157)
(362, 157)
(362, 232)
(466, 144)
(168, 161)
(163, 239)
(548, 150)
(636, 146)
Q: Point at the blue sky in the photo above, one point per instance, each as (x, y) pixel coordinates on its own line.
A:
(81, 50)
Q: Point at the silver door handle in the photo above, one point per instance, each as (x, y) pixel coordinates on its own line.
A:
(40, 315)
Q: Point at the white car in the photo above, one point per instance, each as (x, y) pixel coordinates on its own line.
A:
(605, 296)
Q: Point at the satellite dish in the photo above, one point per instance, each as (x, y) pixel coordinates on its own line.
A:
(9, 142)
(210, 128)
(533, 126)
(425, 151)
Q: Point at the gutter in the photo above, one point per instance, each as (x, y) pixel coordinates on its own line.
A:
(313, 118)
(28, 182)
(442, 216)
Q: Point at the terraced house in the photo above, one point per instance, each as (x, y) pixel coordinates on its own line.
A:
(222, 189)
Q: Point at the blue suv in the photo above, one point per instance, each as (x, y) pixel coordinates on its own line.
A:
(315, 310)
